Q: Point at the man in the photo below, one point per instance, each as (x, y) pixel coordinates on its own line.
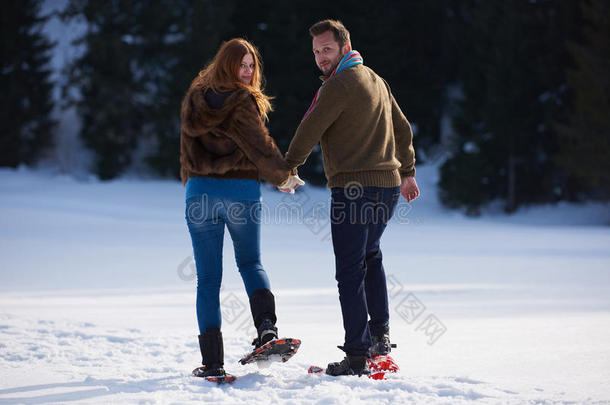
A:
(368, 161)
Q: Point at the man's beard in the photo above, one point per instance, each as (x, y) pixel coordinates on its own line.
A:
(334, 65)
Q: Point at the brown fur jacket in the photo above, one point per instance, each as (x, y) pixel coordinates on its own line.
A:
(231, 142)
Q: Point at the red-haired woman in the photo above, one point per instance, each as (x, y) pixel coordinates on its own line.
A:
(224, 148)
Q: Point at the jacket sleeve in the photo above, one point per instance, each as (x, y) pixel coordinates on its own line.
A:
(328, 107)
(403, 137)
(248, 131)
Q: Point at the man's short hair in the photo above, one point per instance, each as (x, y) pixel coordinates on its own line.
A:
(335, 26)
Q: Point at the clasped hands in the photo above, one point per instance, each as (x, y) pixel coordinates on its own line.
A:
(408, 187)
(291, 184)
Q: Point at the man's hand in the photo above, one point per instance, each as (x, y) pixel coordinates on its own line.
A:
(409, 189)
(291, 184)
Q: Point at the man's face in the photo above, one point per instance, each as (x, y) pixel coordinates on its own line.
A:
(327, 52)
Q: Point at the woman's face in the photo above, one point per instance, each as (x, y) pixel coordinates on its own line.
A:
(246, 69)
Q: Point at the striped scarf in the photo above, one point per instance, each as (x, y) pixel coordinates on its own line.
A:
(350, 59)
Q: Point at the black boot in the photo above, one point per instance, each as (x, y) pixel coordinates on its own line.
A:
(212, 353)
(350, 365)
(266, 332)
(381, 345)
(262, 305)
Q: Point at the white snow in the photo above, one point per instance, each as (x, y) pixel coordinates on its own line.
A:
(97, 300)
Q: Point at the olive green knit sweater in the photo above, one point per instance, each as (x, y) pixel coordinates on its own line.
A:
(364, 135)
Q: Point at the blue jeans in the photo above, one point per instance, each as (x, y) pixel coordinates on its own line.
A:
(206, 217)
(358, 218)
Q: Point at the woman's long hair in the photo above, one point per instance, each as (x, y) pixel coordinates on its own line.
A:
(222, 73)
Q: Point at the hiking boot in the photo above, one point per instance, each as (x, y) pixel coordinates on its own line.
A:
(212, 354)
(266, 332)
(350, 365)
(381, 345)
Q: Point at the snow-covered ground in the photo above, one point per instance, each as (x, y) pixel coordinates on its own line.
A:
(97, 300)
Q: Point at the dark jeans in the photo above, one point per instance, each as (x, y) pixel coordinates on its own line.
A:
(359, 216)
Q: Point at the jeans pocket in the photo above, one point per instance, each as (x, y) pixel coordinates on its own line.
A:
(200, 209)
(370, 197)
(372, 194)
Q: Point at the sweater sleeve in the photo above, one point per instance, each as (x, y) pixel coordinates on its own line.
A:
(252, 137)
(403, 137)
(329, 105)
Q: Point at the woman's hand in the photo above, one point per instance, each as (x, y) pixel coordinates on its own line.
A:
(293, 182)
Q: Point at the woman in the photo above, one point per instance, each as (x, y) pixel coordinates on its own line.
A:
(225, 147)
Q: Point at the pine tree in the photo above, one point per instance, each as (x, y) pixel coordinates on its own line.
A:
(510, 76)
(110, 96)
(585, 139)
(25, 122)
(179, 38)
(410, 46)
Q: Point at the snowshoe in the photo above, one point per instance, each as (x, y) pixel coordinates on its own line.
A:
(218, 376)
(276, 349)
